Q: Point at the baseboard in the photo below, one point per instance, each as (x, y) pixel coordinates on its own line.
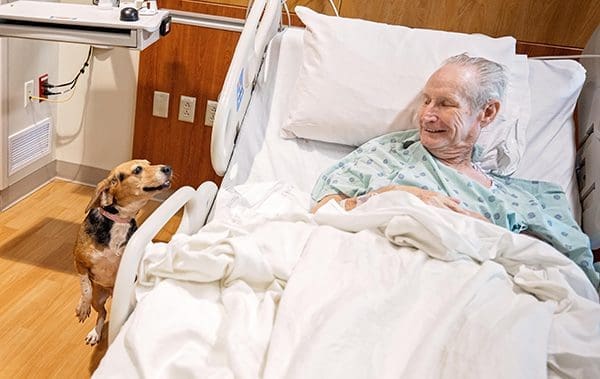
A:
(68, 171)
(29, 184)
(90, 176)
(78, 173)
(56, 169)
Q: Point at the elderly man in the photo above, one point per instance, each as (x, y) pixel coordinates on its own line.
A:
(438, 164)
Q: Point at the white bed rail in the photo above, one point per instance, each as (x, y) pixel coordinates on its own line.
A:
(197, 204)
(588, 155)
(262, 23)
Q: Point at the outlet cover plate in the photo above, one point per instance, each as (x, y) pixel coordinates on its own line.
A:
(27, 93)
(187, 109)
(211, 109)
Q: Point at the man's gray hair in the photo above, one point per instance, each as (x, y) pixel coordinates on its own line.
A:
(493, 78)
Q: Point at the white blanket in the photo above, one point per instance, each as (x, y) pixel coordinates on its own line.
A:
(394, 288)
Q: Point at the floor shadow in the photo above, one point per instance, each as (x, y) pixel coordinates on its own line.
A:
(47, 244)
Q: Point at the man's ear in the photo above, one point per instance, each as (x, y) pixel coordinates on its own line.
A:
(489, 112)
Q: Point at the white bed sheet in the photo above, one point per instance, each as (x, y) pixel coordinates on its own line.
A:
(393, 275)
(259, 148)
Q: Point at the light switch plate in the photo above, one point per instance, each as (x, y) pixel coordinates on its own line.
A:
(160, 104)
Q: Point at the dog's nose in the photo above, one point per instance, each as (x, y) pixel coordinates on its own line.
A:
(166, 170)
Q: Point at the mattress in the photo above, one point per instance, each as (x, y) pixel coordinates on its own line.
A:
(260, 153)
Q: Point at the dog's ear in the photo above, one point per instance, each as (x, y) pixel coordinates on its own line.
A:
(103, 195)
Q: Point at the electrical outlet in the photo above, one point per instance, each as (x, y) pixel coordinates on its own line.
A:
(211, 109)
(160, 104)
(42, 83)
(187, 109)
(27, 93)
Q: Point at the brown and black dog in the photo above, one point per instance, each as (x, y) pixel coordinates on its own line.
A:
(109, 224)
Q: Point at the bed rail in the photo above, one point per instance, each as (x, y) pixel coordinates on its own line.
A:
(196, 206)
(262, 23)
(588, 155)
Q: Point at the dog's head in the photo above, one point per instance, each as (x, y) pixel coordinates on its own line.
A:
(130, 185)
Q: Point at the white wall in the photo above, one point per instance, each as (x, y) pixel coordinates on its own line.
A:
(95, 128)
(27, 60)
(3, 111)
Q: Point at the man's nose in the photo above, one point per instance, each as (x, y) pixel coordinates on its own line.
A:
(427, 115)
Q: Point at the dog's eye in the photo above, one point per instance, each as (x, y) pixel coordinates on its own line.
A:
(121, 177)
(137, 170)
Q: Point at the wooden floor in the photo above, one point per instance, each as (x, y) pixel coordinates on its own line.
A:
(39, 334)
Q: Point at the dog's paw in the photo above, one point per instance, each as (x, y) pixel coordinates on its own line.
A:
(82, 311)
(92, 338)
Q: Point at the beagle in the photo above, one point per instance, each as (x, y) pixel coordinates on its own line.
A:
(109, 224)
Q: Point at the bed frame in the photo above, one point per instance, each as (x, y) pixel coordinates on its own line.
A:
(262, 23)
(196, 204)
(241, 77)
(588, 143)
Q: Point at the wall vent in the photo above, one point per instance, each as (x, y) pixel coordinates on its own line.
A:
(29, 145)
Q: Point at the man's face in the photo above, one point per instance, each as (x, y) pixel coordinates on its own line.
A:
(446, 119)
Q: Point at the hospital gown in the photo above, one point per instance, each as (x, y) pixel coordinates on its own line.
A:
(540, 208)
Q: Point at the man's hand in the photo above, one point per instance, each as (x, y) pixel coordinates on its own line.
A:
(428, 197)
(434, 198)
(324, 200)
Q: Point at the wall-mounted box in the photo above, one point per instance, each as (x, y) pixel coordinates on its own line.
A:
(79, 23)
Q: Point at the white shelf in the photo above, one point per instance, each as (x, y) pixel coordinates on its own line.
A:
(78, 23)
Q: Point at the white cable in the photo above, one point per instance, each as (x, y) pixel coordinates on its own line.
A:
(568, 56)
(334, 8)
(287, 12)
(250, 2)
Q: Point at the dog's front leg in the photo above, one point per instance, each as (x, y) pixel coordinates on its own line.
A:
(100, 294)
(83, 308)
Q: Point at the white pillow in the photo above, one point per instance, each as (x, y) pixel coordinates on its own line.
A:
(361, 79)
(550, 153)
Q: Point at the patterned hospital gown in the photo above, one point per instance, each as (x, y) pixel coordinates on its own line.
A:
(540, 208)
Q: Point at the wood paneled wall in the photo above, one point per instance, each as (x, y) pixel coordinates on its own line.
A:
(193, 61)
(190, 61)
(322, 6)
(554, 22)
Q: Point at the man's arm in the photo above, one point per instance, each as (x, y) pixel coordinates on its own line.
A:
(324, 200)
(428, 197)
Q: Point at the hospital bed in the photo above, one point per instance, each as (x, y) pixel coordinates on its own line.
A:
(251, 285)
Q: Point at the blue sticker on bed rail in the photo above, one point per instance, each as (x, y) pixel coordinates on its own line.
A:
(240, 91)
